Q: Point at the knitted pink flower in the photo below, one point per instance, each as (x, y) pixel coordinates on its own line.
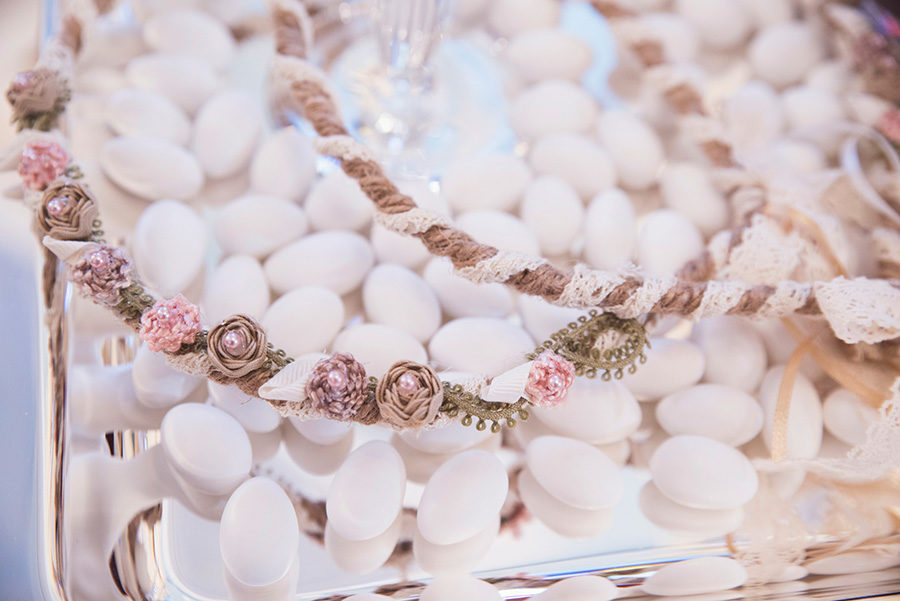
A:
(42, 162)
(169, 324)
(889, 125)
(102, 272)
(549, 379)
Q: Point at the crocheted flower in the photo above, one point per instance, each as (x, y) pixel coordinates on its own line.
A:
(549, 379)
(42, 162)
(37, 97)
(67, 211)
(338, 387)
(236, 346)
(102, 272)
(889, 125)
(169, 324)
(409, 394)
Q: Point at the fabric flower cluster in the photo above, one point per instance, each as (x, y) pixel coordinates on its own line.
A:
(410, 394)
(549, 380)
(237, 346)
(169, 324)
(41, 162)
(67, 211)
(102, 272)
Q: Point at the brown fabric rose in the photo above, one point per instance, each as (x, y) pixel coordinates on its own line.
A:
(338, 387)
(236, 346)
(67, 211)
(409, 394)
(37, 98)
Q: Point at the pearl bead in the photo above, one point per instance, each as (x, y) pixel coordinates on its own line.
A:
(163, 313)
(57, 206)
(235, 342)
(555, 383)
(336, 379)
(407, 384)
(99, 260)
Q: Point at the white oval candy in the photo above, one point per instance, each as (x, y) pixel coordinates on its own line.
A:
(563, 519)
(723, 413)
(304, 320)
(368, 597)
(461, 298)
(458, 588)
(609, 230)
(847, 416)
(362, 557)
(317, 459)
(594, 411)
(322, 431)
(666, 513)
(636, 150)
(142, 113)
(237, 285)
(226, 131)
(336, 260)
(804, 157)
(720, 24)
(552, 106)
(151, 168)
(336, 202)
(854, 562)
(783, 53)
(449, 438)
(553, 212)
(156, 383)
(735, 352)
(378, 346)
(580, 588)
(574, 472)
(256, 415)
(512, 17)
(486, 182)
(703, 473)
(678, 36)
(541, 319)
(192, 33)
(575, 158)
(687, 188)
(207, 447)
(498, 229)
(462, 498)
(548, 54)
(398, 297)
(667, 241)
(259, 534)
(804, 427)
(185, 80)
(753, 116)
(284, 165)
(480, 345)
(458, 558)
(696, 576)
(257, 224)
(366, 494)
(672, 365)
(169, 246)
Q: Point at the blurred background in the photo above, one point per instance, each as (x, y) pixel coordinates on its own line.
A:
(19, 29)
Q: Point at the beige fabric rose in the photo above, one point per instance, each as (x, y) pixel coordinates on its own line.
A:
(236, 346)
(67, 211)
(410, 394)
(37, 98)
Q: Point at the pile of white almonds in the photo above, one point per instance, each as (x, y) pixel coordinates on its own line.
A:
(170, 125)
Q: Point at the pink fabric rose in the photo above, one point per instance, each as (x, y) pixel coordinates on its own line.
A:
(169, 324)
(42, 162)
(549, 379)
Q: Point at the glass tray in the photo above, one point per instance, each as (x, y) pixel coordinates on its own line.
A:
(167, 553)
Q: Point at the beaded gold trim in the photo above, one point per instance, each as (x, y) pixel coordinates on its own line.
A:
(457, 400)
(599, 343)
